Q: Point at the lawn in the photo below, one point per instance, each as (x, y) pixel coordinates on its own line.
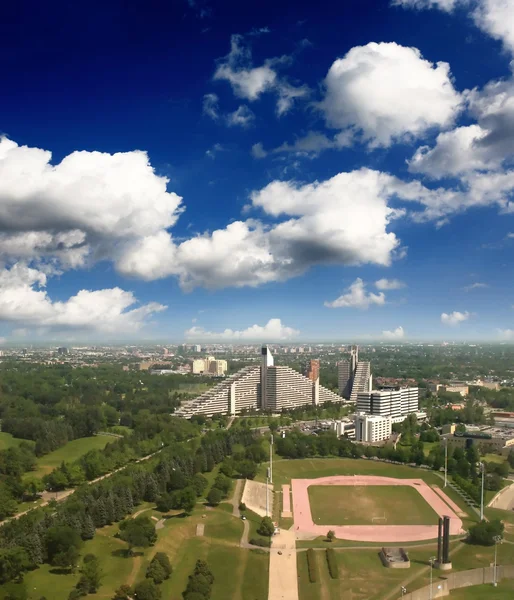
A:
(360, 505)
(504, 591)
(7, 441)
(68, 453)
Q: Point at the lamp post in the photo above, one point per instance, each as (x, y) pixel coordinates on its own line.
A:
(404, 590)
(271, 459)
(431, 560)
(497, 540)
(267, 491)
(445, 461)
(482, 469)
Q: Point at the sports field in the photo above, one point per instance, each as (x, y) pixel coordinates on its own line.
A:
(368, 505)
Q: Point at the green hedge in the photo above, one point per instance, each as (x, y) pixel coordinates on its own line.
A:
(260, 542)
(311, 565)
(333, 569)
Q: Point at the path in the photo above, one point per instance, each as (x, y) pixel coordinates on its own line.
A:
(286, 502)
(504, 499)
(283, 576)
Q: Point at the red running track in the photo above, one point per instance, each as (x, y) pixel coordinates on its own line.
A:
(304, 524)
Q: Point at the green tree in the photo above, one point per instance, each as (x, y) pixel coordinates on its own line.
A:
(159, 568)
(62, 544)
(214, 497)
(122, 593)
(331, 535)
(138, 532)
(13, 563)
(483, 533)
(92, 572)
(199, 483)
(510, 458)
(266, 527)
(147, 590)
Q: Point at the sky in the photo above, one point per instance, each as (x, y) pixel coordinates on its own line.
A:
(263, 171)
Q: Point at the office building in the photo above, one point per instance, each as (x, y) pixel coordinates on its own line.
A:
(372, 428)
(312, 370)
(353, 376)
(260, 387)
(209, 366)
(396, 403)
(344, 427)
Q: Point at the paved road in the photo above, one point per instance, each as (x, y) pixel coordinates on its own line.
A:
(283, 575)
(504, 500)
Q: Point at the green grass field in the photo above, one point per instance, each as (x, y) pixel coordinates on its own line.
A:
(68, 453)
(504, 591)
(7, 441)
(359, 505)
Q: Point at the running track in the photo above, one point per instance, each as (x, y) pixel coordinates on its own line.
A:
(304, 524)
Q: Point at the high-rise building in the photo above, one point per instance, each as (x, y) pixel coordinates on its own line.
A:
(312, 370)
(396, 403)
(259, 387)
(62, 350)
(372, 428)
(209, 366)
(353, 375)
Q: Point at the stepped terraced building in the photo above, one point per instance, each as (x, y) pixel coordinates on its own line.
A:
(260, 387)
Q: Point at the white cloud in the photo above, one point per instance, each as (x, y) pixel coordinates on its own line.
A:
(494, 17)
(314, 142)
(454, 318)
(389, 284)
(395, 334)
(258, 151)
(211, 153)
(273, 330)
(446, 5)
(357, 297)
(211, 106)
(506, 334)
(249, 82)
(242, 117)
(475, 286)
(388, 92)
(23, 299)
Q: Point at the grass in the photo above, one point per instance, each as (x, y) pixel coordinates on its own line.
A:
(68, 453)
(358, 505)
(7, 441)
(504, 591)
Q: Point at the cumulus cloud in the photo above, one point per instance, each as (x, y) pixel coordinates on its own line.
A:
(506, 334)
(395, 334)
(475, 286)
(249, 82)
(454, 318)
(493, 17)
(23, 299)
(273, 330)
(315, 142)
(216, 148)
(386, 92)
(357, 297)
(242, 117)
(389, 284)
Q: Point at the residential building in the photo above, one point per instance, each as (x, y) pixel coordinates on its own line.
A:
(456, 388)
(312, 370)
(256, 387)
(396, 403)
(372, 428)
(209, 366)
(344, 427)
(353, 376)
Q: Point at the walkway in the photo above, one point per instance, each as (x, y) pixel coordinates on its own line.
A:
(504, 499)
(283, 576)
(286, 502)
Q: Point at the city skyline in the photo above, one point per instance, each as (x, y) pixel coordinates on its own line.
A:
(275, 174)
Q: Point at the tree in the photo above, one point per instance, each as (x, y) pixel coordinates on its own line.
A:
(214, 497)
(200, 483)
(510, 458)
(331, 535)
(266, 527)
(62, 544)
(92, 573)
(32, 487)
(159, 568)
(138, 532)
(147, 590)
(13, 562)
(483, 533)
(122, 593)
(188, 500)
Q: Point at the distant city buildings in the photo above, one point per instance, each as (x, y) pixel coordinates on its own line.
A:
(312, 370)
(261, 387)
(62, 351)
(209, 366)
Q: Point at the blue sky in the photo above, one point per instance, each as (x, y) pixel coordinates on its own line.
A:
(268, 171)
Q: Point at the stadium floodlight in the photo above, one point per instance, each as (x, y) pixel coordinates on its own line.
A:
(497, 540)
(445, 462)
(431, 560)
(482, 469)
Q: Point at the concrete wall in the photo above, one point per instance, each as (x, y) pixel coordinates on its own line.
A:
(441, 587)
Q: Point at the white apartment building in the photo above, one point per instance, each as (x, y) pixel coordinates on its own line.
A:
(343, 427)
(209, 365)
(257, 387)
(372, 428)
(394, 403)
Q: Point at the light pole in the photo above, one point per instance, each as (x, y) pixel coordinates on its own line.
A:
(404, 591)
(482, 469)
(497, 540)
(445, 461)
(431, 560)
(271, 459)
(267, 491)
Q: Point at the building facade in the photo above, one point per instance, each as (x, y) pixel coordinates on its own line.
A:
(394, 403)
(372, 428)
(353, 376)
(260, 387)
(209, 366)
